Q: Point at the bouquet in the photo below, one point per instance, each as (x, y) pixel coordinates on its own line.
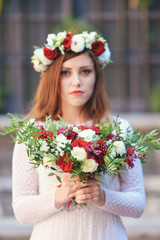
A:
(107, 148)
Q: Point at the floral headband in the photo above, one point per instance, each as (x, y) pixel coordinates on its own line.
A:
(66, 41)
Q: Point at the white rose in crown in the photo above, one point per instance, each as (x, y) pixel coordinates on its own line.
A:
(104, 58)
(61, 36)
(40, 56)
(87, 134)
(79, 153)
(92, 36)
(47, 162)
(119, 147)
(39, 67)
(90, 165)
(85, 34)
(89, 38)
(61, 48)
(50, 38)
(78, 43)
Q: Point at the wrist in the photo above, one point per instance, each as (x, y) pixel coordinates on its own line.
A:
(58, 203)
(102, 199)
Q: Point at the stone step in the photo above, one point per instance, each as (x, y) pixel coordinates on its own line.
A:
(142, 228)
(10, 229)
(6, 197)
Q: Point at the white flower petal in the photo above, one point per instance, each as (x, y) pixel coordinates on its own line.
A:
(78, 43)
(50, 38)
(39, 67)
(90, 165)
(40, 55)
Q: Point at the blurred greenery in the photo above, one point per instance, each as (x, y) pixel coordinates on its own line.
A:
(145, 4)
(76, 25)
(142, 4)
(155, 37)
(3, 97)
(154, 98)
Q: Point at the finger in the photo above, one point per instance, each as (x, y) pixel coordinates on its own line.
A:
(88, 183)
(90, 175)
(94, 189)
(86, 198)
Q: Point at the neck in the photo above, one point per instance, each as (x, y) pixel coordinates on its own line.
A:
(71, 115)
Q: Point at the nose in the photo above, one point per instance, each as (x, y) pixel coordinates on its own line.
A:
(76, 81)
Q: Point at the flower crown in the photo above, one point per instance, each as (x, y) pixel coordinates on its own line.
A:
(66, 41)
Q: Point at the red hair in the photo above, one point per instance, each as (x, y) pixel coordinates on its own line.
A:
(48, 101)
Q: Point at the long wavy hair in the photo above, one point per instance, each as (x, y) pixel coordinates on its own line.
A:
(47, 100)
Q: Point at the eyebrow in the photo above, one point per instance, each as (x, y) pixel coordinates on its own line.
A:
(80, 67)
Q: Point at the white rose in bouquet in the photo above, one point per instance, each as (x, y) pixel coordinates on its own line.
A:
(90, 165)
(79, 153)
(87, 134)
(119, 147)
(47, 162)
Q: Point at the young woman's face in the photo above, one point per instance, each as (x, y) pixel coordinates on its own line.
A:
(77, 81)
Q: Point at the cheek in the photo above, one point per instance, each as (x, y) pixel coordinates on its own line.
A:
(63, 88)
(91, 84)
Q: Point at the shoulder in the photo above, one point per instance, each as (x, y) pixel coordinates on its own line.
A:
(120, 120)
(124, 124)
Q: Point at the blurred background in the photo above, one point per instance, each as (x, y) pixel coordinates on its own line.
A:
(132, 81)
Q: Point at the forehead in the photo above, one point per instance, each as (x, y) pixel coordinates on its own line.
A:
(79, 61)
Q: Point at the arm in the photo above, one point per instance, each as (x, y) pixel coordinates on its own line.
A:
(28, 205)
(130, 200)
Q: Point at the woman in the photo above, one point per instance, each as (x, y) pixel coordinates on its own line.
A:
(72, 86)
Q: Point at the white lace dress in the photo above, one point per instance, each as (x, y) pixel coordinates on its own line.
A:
(33, 202)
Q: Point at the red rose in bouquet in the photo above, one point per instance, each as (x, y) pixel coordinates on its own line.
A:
(82, 127)
(78, 142)
(44, 134)
(96, 129)
(99, 152)
(129, 161)
(71, 134)
(64, 164)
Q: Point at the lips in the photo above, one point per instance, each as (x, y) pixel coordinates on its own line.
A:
(77, 93)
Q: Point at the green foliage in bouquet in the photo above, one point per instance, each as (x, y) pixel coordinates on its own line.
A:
(107, 148)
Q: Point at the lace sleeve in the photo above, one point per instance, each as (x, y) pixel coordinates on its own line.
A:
(28, 205)
(130, 199)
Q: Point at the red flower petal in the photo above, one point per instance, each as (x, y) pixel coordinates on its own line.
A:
(64, 164)
(98, 48)
(50, 54)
